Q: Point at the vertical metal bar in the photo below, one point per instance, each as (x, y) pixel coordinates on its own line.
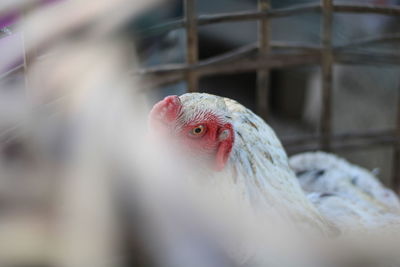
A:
(263, 74)
(327, 69)
(396, 153)
(192, 50)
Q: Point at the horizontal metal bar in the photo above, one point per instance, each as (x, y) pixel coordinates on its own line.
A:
(256, 15)
(163, 28)
(340, 137)
(372, 58)
(390, 37)
(231, 55)
(349, 144)
(272, 60)
(367, 8)
(294, 46)
(343, 147)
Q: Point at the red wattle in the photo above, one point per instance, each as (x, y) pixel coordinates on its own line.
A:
(224, 148)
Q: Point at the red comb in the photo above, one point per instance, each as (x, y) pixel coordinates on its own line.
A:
(166, 111)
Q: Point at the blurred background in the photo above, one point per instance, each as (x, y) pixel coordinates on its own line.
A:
(364, 98)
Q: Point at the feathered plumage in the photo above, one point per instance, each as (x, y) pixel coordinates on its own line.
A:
(348, 195)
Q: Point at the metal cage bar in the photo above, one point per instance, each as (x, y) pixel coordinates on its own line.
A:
(263, 74)
(327, 68)
(396, 152)
(192, 51)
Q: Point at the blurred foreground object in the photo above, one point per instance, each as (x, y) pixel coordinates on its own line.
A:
(55, 199)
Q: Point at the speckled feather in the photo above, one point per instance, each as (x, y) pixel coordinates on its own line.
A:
(349, 196)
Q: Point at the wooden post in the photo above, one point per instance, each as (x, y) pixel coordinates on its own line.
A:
(192, 50)
(327, 69)
(263, 74)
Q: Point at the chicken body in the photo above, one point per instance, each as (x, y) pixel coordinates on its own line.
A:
(349, 196)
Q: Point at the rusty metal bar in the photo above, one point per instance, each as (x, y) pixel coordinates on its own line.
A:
(327, 66)
(365, 8)
(258, 15)
(262, 95)
(390, 37)
(343, 141)
(341, 146)
(270, 61)
(339, 138)
(396, 152)
(192, 50)
(294, 46)
(371, 58)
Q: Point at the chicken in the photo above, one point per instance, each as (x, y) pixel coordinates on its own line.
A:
(341, 203)
(234, 143)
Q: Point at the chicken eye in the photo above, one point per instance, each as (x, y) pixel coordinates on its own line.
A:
(198, 130)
